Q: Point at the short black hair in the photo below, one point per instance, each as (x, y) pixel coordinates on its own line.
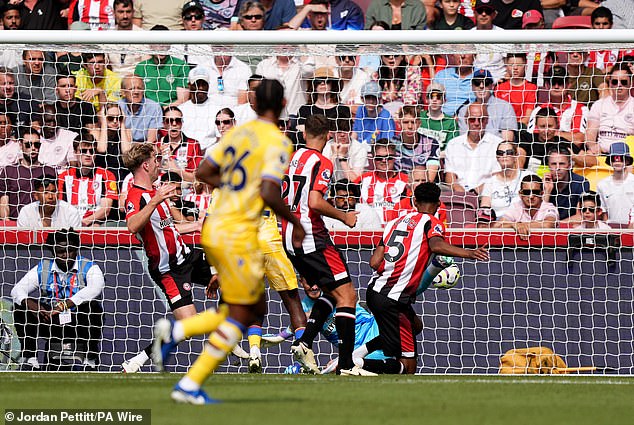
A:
(171, 176)
(592, 197)
(269, 97)
(344, 184)
(8, 7)
(427, 193)
(547, 112)
(159, 27)
(85, 57)
(23, 131)
(44, 181)
(124, 3)
(516, 55)
(602, 12)
(532, 178)
(70, 237)
(254, 77)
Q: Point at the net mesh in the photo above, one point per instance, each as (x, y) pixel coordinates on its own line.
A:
(567, 289)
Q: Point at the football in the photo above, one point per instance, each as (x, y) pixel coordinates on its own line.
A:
(447, 278)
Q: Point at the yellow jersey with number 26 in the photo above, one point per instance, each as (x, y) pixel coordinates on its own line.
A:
(246, 155)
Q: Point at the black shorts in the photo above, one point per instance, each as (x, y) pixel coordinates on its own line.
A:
(396, 325)
(325, 268)
(176, 284)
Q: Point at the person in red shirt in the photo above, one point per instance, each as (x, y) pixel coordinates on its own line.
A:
(403, 263)
(87, 187)
(179, 153)
(173, 266)
(520, 93)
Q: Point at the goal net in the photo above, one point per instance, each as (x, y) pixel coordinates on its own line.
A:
(477, 112)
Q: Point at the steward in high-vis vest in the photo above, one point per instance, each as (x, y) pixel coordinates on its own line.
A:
(57, 300)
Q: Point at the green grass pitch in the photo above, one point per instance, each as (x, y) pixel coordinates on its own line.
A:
(330, 400)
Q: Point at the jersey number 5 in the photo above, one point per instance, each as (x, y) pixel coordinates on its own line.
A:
(395, 241)
(233, 174)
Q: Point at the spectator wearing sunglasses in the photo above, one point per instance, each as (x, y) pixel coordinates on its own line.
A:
(485, 14)
(193, 16)
(87, 187)
(277, 13)
(531, 211)
(617, 190)
(330, 15)
(16, 181)
(383, 187)
(115, 139)
(591, 212)
(252, 16)
(611, 119)
(501, 120)
(178, 153)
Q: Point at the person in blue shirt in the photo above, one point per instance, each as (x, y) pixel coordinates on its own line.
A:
(372, 122)
(457, 82)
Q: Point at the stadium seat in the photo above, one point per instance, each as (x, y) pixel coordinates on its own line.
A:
(461, 208)
(573, 22)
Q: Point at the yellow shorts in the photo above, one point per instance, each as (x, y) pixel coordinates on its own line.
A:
(279, 271)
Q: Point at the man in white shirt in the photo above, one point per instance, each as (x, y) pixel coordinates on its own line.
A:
(47, 210)
(617, 191)
(292, 72)
(470, 158)
(228, 78)
(246, 112)
(65, 306)
(199, 110)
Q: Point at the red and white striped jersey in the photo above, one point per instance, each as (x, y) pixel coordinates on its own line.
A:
(99, 14)
(308, 170)
(85, 192)
(602, 59)
(573, 116)
(161, 241)
(406, 206)
(406, 257)
(382, 193)
(187, 155)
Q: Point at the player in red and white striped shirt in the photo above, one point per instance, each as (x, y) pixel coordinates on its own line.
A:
(405, 265)
(305, 186)
(172, 265)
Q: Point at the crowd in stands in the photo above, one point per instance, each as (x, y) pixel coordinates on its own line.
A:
(525, 139)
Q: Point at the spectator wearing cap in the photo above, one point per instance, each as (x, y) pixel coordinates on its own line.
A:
(617, 191)
(537, 62)
(323, 98)
(572, 115)
(562, 187)
(456, 80)
(434, 123)
(516, 90)
(501, 119)
(470, 158)
(142, 115)
(485, 13)
(400, 15)
(450, 18)
(533, 19)
(197, 111)
(531, 211)
(193, 16)
(587, 84)
(47, 210)
(372, 121)
(414, 148)
(148, 13)
(611, 119)
(510, 13)
(165, 76)
(17, 180)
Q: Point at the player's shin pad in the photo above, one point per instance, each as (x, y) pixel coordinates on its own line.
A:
(436, 265)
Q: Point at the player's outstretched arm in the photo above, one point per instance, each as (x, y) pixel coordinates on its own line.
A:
(140, 219)
(377, 257)
(270, 191)
(438, 245)
(317, 203)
